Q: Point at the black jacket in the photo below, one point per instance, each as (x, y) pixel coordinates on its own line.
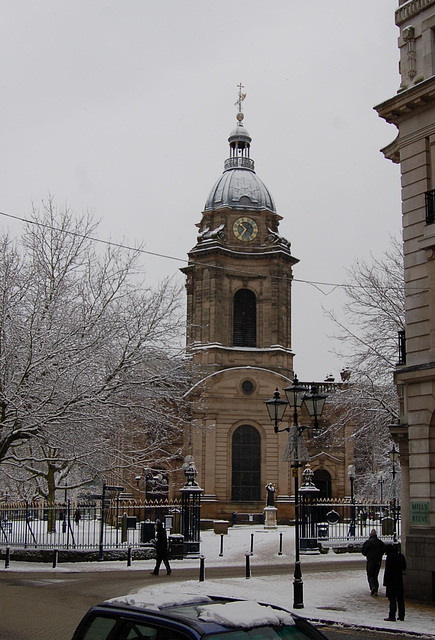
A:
(373, 549)
(395, 565)
(161, 539)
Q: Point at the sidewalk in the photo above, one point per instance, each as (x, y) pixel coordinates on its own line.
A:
(332, 591)
(329, 595)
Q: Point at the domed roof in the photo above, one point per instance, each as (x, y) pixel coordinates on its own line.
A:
(239, 133)
(239, 188)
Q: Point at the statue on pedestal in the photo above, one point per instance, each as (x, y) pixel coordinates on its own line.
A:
(270, 495)
(270, 510)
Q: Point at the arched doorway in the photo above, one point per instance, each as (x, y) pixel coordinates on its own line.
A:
(322, 480)
(246, 464)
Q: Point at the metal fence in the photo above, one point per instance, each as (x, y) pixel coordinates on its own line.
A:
(122, 523)
(343, 523)
(84, 525)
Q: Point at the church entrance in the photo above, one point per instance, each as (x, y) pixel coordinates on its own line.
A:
(322, 480)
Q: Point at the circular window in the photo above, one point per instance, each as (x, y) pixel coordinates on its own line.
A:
(247, 387)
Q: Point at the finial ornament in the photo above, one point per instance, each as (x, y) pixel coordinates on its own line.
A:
(238, 104)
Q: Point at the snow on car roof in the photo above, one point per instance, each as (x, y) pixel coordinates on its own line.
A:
(243, 614)
(237, 614)
(150, 599)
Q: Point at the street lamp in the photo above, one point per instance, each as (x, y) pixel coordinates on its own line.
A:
(351, 474)
(296, 394)
(296, 453)
(276, 407)
(394, 457)
(314, 403)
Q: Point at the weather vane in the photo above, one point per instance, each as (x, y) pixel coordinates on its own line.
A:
(238, 104)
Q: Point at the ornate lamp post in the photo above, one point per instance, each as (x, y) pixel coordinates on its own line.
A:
(296, 453)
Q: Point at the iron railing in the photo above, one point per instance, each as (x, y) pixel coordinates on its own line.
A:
(344, 523)
(127, 523)
(80, 525)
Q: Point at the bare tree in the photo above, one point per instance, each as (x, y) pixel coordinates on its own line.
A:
(368, 344)
(91, 366)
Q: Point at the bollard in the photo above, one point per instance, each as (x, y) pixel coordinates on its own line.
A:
(221, 552)
(252, 544)
(7, 558)
(201, 568)
(129, 556)
(280, 544)
(248, 565)
(55, 558)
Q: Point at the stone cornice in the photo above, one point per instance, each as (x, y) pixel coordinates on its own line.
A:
(410, 9)
(273, 252)
(408, 102)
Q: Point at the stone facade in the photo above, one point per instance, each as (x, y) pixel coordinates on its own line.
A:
(412, 110)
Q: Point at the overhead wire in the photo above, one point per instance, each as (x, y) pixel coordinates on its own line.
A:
(188, 262)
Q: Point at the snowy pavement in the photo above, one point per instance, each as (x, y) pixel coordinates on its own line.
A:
(332, 593)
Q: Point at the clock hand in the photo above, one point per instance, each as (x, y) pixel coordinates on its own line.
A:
(244, 230)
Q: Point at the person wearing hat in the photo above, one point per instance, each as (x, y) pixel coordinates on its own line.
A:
(373, 549)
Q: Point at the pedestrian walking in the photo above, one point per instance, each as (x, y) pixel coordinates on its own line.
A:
(161, 549)
(395, 565)
(373, 549)
(77, 516)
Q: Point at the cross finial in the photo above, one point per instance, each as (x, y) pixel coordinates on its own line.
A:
(238, 104)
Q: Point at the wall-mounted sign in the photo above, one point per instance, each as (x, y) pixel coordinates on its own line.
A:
(420, 513)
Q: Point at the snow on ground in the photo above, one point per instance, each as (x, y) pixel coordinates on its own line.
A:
(334, 594)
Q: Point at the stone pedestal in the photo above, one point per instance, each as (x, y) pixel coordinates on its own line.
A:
(220, 526)
(270, 517)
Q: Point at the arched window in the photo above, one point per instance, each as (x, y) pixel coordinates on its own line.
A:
(322, 480)
(246, 464)
(245, 319)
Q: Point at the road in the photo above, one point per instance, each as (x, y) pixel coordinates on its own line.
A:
(41, 605)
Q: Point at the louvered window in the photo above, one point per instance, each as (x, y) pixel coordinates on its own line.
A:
(245, 319)
(246, 464)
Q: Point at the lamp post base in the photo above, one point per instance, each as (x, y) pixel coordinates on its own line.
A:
(298, 594)
(298, 587)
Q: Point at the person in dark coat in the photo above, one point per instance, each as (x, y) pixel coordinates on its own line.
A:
(161, 549)
(395, 565)
(373, 549)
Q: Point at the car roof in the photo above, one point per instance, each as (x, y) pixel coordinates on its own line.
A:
(204, 614)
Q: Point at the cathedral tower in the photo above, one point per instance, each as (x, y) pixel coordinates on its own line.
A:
(240, 271)
(238, 283)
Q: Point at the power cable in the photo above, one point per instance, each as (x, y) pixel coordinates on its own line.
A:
(313, 283)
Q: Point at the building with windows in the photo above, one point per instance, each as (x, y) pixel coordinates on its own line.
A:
(239, 283)
(412, 110)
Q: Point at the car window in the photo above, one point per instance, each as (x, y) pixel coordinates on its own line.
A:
(99, 628)
(285, 632)
(135, 631)
(171, 634)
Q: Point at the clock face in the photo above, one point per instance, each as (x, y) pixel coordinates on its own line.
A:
(245, 229)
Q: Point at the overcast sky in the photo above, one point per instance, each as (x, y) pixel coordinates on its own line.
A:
(125, 108)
